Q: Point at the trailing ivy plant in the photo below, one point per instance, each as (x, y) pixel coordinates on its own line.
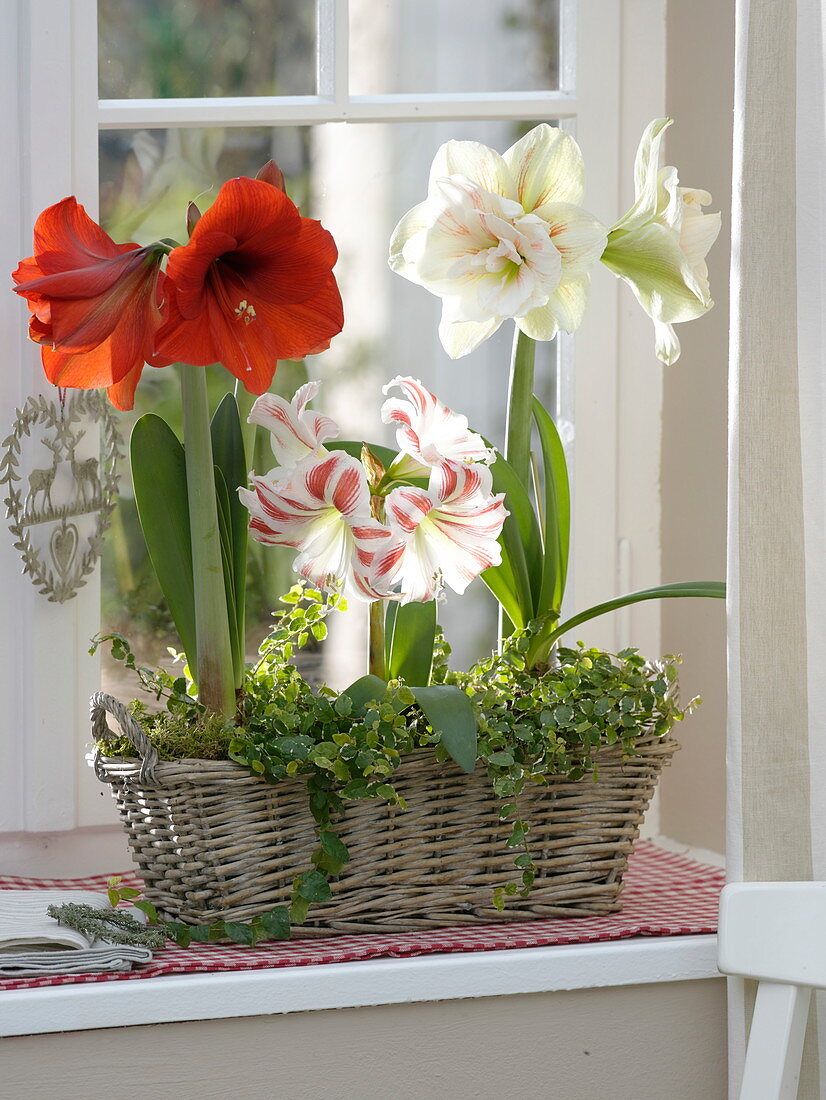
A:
(532, 723)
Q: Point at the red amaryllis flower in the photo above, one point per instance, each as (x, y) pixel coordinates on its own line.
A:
(95, 304)
(253, 285)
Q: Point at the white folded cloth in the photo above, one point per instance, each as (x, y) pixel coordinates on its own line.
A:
(33, 943)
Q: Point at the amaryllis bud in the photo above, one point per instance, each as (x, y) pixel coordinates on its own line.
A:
(373, 466)
(193, 216)
(271, 173)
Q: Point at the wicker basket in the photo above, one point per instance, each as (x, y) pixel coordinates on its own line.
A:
(211, 840)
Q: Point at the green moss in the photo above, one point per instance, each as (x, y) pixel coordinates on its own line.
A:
(191, 736)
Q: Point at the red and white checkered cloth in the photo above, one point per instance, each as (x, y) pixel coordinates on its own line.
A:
(665, 894)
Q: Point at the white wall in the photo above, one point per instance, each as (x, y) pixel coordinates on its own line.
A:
(699, 96)
(652, 1042)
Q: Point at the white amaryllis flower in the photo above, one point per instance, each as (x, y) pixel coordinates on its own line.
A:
(443, 536)
(502, 236)
(659, 248)
(296, 432)
(322, 509)
(428, 433)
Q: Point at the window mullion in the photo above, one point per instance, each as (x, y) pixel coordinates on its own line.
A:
(333, 56)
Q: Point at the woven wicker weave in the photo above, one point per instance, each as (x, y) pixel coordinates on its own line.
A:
(211, 840)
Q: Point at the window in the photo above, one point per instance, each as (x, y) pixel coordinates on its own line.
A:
(352, 100)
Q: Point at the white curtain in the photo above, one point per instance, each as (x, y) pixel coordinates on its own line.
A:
(777, 502)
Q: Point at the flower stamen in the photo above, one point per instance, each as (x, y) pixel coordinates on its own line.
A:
(245, 311)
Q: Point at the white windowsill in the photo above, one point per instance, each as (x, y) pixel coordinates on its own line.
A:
(178, 997)
(353, 985)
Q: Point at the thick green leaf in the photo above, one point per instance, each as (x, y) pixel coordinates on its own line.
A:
(501, 582)
(410, 649)
(510, 581)
(159, 479)
(365, 690)
(684, 589)
(225, 532)
(557, 517)
(522, 521)
(449, 712)
(389, 624)
(229, 457)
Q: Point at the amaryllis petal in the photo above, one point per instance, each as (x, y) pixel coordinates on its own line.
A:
(322, 509)
(429, 431)
(96, 305)
(66, 238)
(565, 310)
(444, 536)
(666, 343)
(547, 166)
(460, 337)
(122, 394)
(578, 236)
(296, 433)
(305, 328)
(646, 177)
(651, 261)
(253, 285)
(487, 168)
(413, 222)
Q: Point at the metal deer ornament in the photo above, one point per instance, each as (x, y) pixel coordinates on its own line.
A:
(59, 467)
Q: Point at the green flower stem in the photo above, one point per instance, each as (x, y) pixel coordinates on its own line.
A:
(378, 660)
(214, 673)
(542, 645)
(520, 395)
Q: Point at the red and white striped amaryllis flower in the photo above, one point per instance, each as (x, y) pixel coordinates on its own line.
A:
(322, 509)
(443, 536)
(428, 433)
(296, 432)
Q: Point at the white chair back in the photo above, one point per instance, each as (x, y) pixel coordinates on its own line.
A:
(775, 932)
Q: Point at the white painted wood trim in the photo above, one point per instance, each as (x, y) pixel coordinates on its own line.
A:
(355, 985)
(594, 349)
(49, 59)
(129, 114)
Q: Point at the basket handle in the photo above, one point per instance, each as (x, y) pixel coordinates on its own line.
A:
(102, 704)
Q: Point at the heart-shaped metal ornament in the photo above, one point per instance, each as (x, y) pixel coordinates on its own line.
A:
(59, 464)
(63, 546)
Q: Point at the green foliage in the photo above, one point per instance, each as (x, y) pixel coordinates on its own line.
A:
(410, 633)
(160, 483)
(532, 724)
(555, 513)
(536, 723)
(515, 583)
(529, 584)
(230, 472)
(450, 713)
(119, 926)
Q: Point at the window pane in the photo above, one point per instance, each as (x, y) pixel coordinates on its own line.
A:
(460, 46)
(391, 328)
(157, 49)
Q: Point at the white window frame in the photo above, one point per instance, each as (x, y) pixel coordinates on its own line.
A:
(612, 83)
